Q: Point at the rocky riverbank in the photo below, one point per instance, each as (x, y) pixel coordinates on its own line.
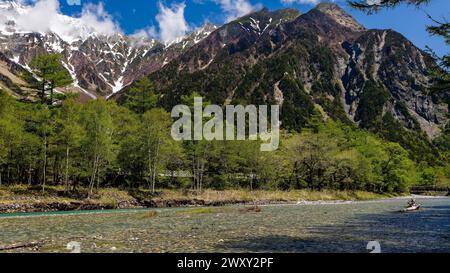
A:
(82, 205)
(62, 206)
(23, 199)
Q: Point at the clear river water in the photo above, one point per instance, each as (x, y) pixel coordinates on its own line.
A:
(343, 227)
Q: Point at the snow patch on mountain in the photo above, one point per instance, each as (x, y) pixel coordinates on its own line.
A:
(100, 59)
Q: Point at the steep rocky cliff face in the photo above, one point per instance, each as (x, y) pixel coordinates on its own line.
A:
(15, 78)
(387, 59)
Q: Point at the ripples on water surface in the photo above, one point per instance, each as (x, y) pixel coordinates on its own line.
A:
(280, 228)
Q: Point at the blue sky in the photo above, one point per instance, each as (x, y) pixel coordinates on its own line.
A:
(135, 15)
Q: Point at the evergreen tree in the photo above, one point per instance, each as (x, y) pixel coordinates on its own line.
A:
(50, 70)
(141, 97)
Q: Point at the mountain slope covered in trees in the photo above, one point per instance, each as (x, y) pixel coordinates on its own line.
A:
(319, 61)
(333, 61)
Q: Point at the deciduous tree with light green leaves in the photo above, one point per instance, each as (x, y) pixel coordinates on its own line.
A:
(69, 134)
(10, 132)
(42, 125)
(156, 142)
(97, 146)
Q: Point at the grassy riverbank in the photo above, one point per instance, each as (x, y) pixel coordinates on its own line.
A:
(21, 198)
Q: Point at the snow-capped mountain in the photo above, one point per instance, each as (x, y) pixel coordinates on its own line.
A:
(101, 63)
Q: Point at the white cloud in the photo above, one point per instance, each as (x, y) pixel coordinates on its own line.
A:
(236, 8)
(171, 24)
(171, 21)
(149, 32)
(45, 16)
(96, 17)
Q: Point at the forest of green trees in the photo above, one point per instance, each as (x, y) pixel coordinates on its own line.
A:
(103, 144)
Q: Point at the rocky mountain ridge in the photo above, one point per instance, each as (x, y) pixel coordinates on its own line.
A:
(100, 65)
(321, 61)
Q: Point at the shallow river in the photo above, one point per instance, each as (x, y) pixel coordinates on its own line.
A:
(344, 227)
